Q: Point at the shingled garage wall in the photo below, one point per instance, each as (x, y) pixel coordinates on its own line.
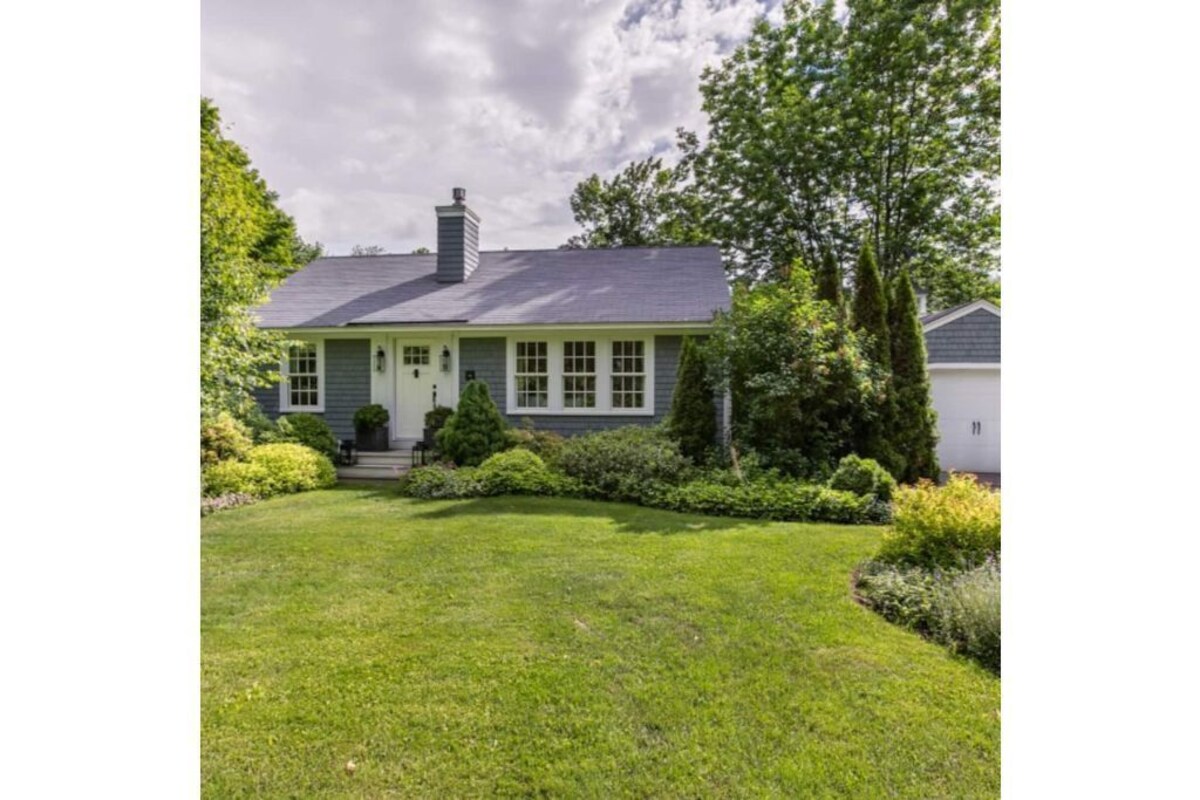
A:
(964, 371)
(486, 356)
(347, 385)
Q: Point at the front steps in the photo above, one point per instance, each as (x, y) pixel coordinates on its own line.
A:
(382, 465)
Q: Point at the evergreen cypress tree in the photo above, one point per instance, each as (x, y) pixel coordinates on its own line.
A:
(869, 315)
(693, 418)
(870, 310)
(829, 280)
(914, 430)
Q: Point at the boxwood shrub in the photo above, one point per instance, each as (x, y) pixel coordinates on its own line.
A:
(863, 476)
(520, 472)
(310, 431)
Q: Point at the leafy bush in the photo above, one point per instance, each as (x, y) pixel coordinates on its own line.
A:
(310, 431)
(440, 481)
(863, 476)
(223, 438)
(623, 463)
(235, 477)
(475, 430)
(783, 500)
(208, 505)
(547, 445)
(293, 468)
(957, 525)
(520, 472)
(960, 609)
(436, 417)
(370, 417)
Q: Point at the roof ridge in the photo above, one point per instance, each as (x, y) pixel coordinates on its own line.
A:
(543, 250)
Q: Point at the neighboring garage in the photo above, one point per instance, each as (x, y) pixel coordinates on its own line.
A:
(963, 346)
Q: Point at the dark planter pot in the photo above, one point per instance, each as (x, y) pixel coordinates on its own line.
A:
(372, 439)
(430, 437)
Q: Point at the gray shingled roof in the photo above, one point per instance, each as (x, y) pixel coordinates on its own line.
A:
(533, 287)
(935, 316)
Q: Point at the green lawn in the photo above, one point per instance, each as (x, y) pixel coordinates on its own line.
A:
(548, 647)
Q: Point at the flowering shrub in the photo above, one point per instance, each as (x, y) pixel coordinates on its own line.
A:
(957, 525)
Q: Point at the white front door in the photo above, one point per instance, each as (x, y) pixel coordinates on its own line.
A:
(417, 377)
(968, 407)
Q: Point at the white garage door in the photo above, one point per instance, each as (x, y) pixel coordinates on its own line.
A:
(968, 407)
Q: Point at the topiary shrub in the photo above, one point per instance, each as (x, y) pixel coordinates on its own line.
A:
(953, 526)
(520, 472)
(475, 430)
(622, 464)
(693, 418)
(291, 468)
(223, 438)
(441, 482)
(370, 417)
(863, 476)
(234, 477)
(310, 431)
(547, 445)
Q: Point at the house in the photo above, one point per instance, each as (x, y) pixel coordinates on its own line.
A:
(963, 350)
(575, 340)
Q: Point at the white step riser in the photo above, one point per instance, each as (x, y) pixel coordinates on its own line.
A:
(361, 472)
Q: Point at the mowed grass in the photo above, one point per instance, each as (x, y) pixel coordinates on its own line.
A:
(546, 647)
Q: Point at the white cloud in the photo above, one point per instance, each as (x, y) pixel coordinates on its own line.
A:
(363, 115)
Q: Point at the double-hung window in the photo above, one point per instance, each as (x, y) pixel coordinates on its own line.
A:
(628, 374)
(303, 387)
(532, 375)
(581, 374)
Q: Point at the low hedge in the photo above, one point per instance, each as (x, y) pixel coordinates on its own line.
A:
(521, 472)
(623, 463)
(441, 482)
(863, 476)
(782, 500)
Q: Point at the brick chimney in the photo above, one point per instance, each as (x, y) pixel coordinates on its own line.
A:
(457, 240)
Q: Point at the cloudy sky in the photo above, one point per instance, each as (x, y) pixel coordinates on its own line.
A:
(362, 115)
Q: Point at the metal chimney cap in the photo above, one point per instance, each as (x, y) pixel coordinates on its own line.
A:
(460, 195)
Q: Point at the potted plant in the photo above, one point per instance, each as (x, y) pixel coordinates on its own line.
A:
(435, 418)
(370, 427)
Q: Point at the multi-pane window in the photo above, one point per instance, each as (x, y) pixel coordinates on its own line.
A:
(532, 375)
(415, 355)
(303, 381)
(628, 374)
(579, 374)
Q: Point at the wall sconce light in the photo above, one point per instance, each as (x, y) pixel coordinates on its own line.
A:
(445, 358)
(380, 360)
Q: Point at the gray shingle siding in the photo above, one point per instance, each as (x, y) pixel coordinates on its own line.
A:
(458, 248)
(972, 339)
(486, 356)
(347, 385)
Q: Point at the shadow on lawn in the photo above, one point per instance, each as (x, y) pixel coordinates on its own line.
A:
(627, 518)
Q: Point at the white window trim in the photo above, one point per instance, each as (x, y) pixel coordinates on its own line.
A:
(285, 404)
(554, 353)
